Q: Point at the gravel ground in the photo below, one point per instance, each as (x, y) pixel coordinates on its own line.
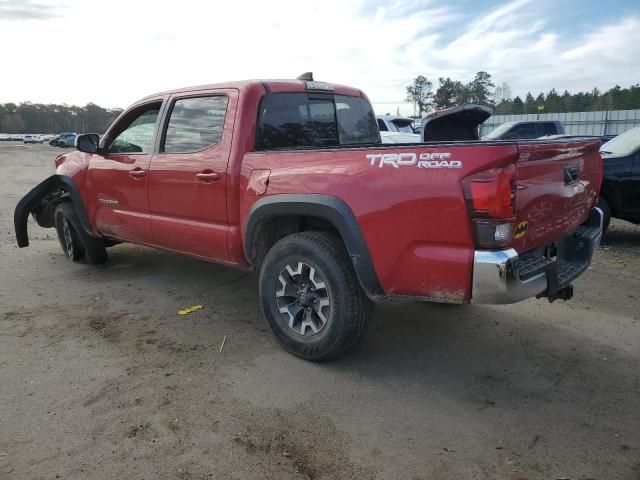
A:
(100, 378)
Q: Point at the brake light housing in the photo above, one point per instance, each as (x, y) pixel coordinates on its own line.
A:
(490, 197)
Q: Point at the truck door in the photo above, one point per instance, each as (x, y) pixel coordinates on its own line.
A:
(117, 180)
(188, 176)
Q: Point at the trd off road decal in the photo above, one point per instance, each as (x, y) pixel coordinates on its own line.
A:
(408, 159)
(521, 229)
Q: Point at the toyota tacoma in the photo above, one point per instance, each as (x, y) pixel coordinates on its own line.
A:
(289, 178)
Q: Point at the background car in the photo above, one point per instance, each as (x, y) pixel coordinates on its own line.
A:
(525, 130)
(54, 141)
(397, 129)
(620, 193)
(68, 140)
(32, 139)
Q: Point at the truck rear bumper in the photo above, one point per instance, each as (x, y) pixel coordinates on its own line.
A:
(503, 276)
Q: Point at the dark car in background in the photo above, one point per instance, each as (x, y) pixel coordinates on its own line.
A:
(620, 193)
(63, 140)
(67, 141)
(527, 129)
(54, 142)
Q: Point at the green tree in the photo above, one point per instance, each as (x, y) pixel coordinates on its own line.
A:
(450, 93)
(553, 102)
(518, 106)
(420, 93)
(480, 89)
(30, 117)
(529, 104)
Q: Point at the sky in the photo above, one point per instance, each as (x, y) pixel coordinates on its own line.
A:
(112, 52)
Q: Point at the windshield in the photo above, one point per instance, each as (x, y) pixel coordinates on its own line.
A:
(624, 144)
(498, 131)
(403, 126)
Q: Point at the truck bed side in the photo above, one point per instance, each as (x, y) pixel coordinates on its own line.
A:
(413, 215)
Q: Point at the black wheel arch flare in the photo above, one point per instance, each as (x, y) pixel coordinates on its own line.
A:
(32, 200)
(329, 208)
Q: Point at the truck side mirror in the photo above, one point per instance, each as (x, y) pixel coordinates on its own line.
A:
(88, 142)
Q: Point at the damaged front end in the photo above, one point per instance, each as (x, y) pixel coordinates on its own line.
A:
(42, 201)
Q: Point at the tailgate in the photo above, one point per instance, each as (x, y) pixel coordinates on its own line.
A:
(556, 187)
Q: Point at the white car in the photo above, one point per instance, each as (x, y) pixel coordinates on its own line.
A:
(32, 139)
(396, 129)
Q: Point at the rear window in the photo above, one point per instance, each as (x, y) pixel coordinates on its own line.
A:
(306, 120)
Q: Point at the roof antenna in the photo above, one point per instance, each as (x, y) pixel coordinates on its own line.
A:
(306, 77)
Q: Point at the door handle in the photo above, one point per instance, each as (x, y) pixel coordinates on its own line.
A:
(208, 176)
(137, 173)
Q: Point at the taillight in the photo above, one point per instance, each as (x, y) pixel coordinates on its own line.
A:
(490, 199)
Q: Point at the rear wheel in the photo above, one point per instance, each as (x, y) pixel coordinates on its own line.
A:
(606, 214)
(76, 244)
(311, 298)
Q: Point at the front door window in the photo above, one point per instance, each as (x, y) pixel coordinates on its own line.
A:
(136, 133)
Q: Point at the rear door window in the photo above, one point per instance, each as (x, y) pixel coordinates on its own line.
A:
(195, 124)
(550, 129)
(525, 130)
(305, 120)
(545, 129)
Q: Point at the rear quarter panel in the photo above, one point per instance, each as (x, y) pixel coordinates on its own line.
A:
(414, 220)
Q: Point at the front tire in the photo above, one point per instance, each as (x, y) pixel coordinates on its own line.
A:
(76, 244)
(311, 298)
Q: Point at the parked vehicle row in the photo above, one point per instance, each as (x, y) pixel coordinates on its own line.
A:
(39, 138)
(32, 139)
(290, 178)
(14, 137)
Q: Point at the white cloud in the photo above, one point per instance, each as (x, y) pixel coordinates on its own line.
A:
(114, 52)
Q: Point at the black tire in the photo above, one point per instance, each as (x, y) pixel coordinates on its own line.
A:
(76, 244)
(316, 330)
(606, 213)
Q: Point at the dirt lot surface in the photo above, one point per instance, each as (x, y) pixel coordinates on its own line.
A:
(100, 378)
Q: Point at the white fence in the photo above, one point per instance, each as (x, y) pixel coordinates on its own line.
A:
(576, 123)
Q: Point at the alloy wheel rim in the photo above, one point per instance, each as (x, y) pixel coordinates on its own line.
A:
(68, 238)
(303, 298)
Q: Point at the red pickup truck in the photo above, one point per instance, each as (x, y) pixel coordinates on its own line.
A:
(289, 178)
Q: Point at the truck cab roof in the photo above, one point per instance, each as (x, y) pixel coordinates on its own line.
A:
(268, 86)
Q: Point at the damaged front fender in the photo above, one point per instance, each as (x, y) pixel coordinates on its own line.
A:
(41, 199)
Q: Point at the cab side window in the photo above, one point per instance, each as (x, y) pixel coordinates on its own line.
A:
(525, 131)
(135, 132)
(195, 124)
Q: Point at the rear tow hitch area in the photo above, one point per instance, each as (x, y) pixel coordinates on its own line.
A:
(565, 293)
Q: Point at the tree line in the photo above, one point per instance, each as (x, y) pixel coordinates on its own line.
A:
(482, 90)
(30, 117)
